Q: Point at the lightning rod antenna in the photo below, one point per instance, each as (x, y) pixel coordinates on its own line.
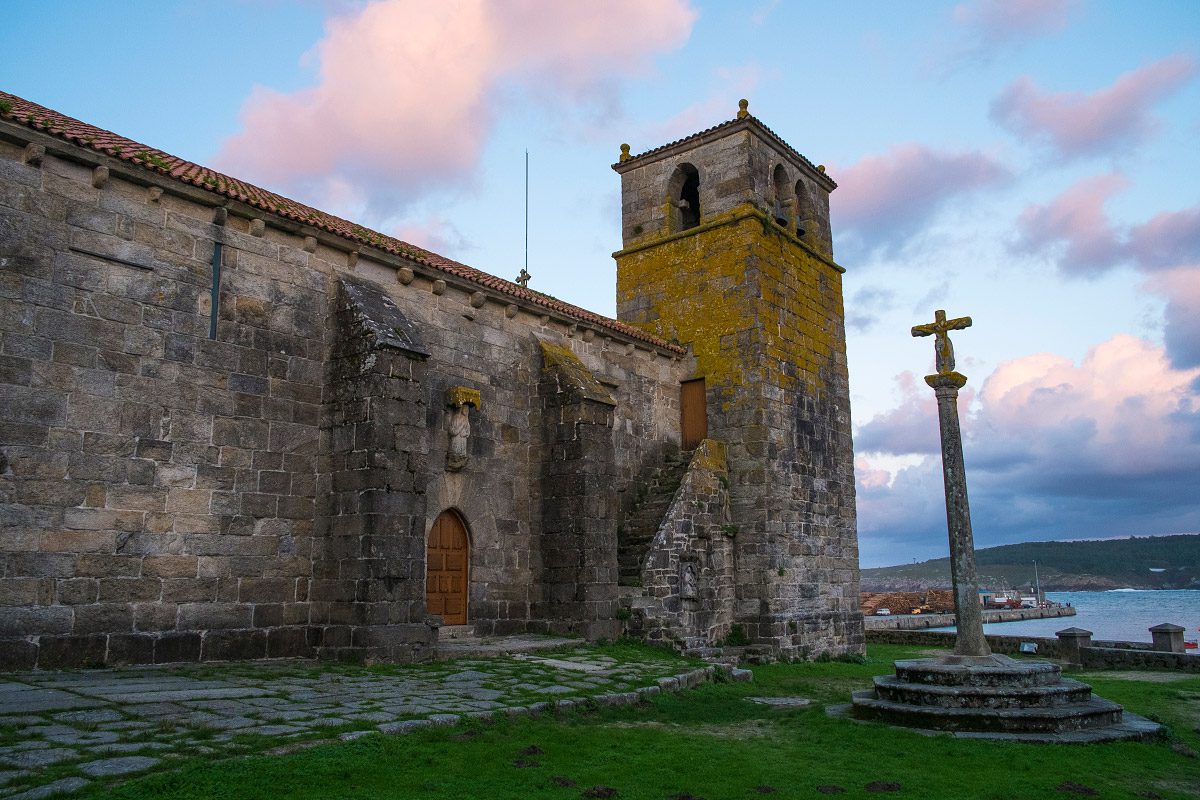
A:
(526, 210)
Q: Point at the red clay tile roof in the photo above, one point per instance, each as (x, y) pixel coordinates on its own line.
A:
(728, 124)
(110, 144)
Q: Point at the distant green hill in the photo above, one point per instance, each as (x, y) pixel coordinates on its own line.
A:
(1151, 562)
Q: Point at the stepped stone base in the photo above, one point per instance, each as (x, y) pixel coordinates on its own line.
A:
(996, 697)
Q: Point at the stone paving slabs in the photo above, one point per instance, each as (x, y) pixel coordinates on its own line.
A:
(60, 731)
(121, 765)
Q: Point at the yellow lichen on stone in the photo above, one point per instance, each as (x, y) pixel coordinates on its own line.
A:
(561, 363)
(709, 455)
(738, 284)
(458, 396)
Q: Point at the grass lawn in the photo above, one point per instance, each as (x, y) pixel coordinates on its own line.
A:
(713, 743)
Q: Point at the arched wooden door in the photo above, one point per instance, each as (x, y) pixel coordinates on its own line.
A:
(446, 560)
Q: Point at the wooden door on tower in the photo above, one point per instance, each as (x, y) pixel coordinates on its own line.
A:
(446, 561)
(693, 413)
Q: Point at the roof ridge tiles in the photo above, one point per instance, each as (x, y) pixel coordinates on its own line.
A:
(113, 145)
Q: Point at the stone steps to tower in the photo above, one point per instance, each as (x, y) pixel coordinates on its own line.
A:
(640, 525)
(1065, 692)
(1095, 713)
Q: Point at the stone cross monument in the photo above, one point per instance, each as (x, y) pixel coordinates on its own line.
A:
(990, 695)
(946, 382)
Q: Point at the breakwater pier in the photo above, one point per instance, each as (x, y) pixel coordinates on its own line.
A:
(916, 622)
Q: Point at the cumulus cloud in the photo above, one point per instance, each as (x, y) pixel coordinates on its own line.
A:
(1108, 446)
(885, 198)
(1181, 331)
(1076, 124)
(407, 91)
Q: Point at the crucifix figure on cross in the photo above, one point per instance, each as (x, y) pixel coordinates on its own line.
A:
(943, 348)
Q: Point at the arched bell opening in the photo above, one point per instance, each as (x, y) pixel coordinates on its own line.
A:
(806, 212)
(784, 197)
(683, 195)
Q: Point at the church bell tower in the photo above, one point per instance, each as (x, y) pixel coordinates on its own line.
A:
(727, 249)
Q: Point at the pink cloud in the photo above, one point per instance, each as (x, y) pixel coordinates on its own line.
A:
(868, 476)
(997, 22)
(909, 428)
(1074, 123)
(407, 90)
(1075, 229)
(885, 198)
(1118, 408)
(1076, 219)
(1167, 240)
(435, 232)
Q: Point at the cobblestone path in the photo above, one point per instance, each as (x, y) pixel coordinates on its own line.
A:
(60, 731)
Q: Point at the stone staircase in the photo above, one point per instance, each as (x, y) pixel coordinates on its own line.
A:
(637, 530)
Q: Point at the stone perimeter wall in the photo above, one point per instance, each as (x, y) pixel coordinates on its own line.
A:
(1101, 655)
(161, 493)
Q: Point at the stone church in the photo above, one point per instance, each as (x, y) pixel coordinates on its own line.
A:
(236, 427)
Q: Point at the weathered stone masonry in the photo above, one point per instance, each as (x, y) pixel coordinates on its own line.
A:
(270, 491)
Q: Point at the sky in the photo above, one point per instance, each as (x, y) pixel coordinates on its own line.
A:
(1030, 163)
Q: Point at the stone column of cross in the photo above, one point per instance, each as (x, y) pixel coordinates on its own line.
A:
(968, 611)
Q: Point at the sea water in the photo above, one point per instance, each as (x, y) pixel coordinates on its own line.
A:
(1119, 615)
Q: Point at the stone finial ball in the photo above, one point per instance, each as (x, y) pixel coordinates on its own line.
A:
(625, 152)
(743, 104)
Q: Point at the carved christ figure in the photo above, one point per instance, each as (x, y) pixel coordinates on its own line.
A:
(943, 348)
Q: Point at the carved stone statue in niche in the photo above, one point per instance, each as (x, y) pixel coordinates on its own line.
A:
(458, 425)
(687, 582)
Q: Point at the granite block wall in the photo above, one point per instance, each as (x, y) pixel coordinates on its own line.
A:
(167, 496)
(157, 493)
